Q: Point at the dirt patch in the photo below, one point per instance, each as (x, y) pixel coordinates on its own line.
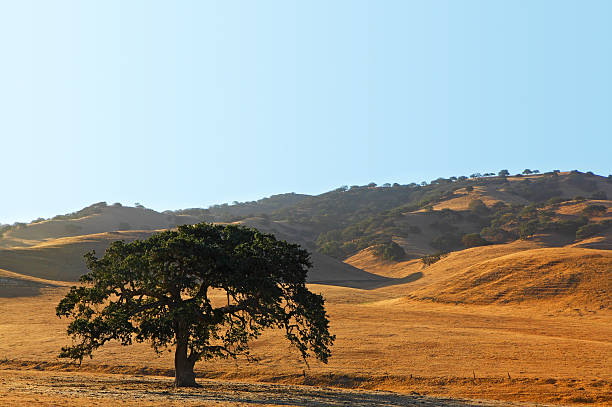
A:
(47, 389)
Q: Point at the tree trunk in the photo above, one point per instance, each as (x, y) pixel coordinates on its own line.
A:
(183, 368)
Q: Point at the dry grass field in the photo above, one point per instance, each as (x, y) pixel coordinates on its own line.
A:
(521, 352)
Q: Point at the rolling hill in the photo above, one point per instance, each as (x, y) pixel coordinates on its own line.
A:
(508, 236)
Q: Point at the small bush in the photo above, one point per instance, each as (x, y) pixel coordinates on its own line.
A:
(477, 206)
(446, 242)
(390, 251)
(474, 240)
(528, 229)
(432, 258)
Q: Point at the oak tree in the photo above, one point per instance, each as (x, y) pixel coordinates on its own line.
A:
(206, 290)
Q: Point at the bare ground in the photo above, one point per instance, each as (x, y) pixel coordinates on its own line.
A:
(37, 388)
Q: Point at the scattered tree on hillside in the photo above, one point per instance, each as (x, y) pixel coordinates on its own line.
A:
(527, 171)
(430, 259)
(528, 229)
(503, 173)
(390, 251)
(159, 290)
(473, 240)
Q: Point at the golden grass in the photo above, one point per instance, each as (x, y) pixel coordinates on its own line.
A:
(383, 342)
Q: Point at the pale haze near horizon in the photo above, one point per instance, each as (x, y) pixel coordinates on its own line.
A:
(191, 103)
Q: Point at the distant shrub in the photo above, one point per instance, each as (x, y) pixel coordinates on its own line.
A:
(390, 251)
(496, 234)
(474, 240)
(528, 229)
(477, 206)
(579, 198)
(594, 210)
(469, 188)
(446, 242)
(432, 258)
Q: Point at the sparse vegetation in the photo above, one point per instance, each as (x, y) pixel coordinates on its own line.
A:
(433, 258)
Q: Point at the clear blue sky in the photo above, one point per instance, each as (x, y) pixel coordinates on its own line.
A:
(180, 104)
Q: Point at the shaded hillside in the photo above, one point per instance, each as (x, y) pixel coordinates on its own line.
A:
(229, 213)
(62, 260)
(97, 218)
(398, 224)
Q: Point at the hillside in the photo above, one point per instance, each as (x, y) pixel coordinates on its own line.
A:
(362, 236)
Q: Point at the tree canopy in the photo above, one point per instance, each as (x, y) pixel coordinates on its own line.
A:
(205, 289)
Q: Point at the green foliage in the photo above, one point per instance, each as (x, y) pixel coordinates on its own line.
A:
(478, 207)
(503, 173)
(158, 290)
(446, 242)
(474, 240)
(390, 251)
(528, 229)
